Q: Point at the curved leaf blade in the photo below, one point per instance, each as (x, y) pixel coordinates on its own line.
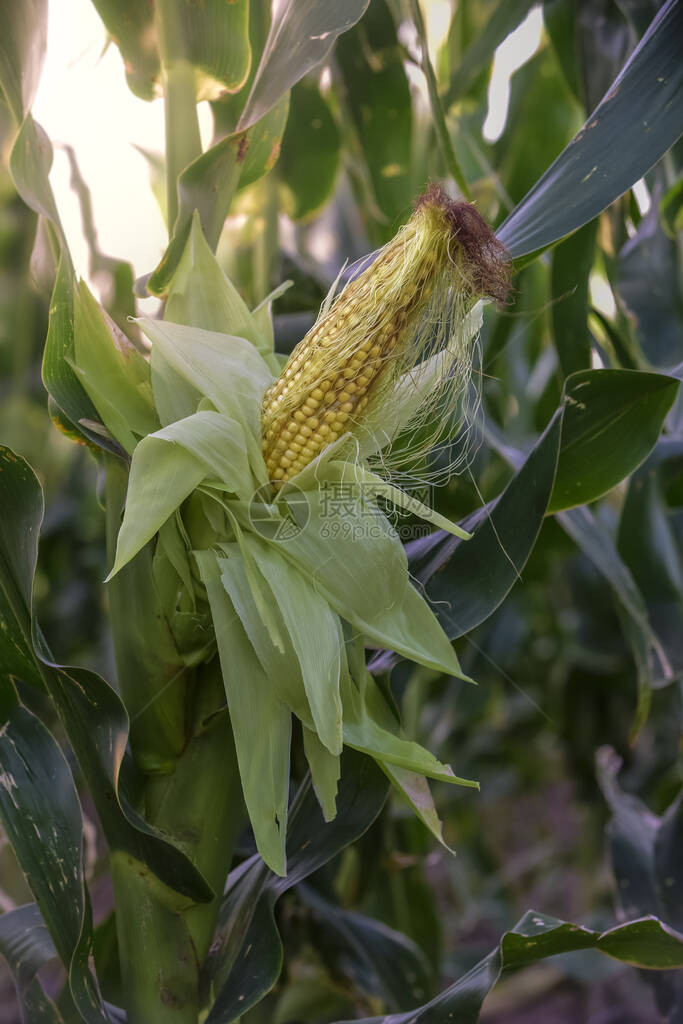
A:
(301, 36)
(246, 956)
(473, 578)
(376, 91)
(26, 945)
(311, 152)
(93, 716)
(634, 125)
(611, 423)
(646, 942)
(41, 815)
(22, 50)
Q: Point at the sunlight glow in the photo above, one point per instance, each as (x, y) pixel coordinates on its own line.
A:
(641, 194)
(83, 101)
(601, 295)
(512, 53)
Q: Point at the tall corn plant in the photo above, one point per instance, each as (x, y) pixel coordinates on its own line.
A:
(257, 579)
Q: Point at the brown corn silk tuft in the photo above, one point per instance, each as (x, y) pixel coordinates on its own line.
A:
(382, 325)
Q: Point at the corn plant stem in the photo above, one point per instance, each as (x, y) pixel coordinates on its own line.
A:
(163, 940)
(153, 678)
(267, 242)
(196, 800)
(201, 803)
(183, 143)
(159, 969)
(437, 108)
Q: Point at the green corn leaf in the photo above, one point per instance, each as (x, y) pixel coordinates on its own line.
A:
(248, 592)
(217, 441)
(162, 475)
(612, 419)
(22, 52)
(572, 262)
(171, 548)
(213, 38)
(325, 772)
(59, 377)
(225, 369)
(201, 295)
(208, 185)
(115, 375)
(26, 945)
(634, 125)
(18, 545)
(671, 209)
(365, 730)
(368, 572)
(311, 152)
(174, 397)
(412, 786)
(246, 956)
(315, 634)
(646, 942)
(263, 315)
(25, 942)
(253, 582)
(382, 961)
(415, 789)
(90, 712)
(151, 670)
(650, 546)
(632, 837)
(261, 722)
(371, 484)
(647, 279)
(41, 801)
(356, 561)
(467, 582)
(376, 90)
(505, 18)
(583, 453)
(265, 140)
(599, 546)
(261, 957)
(301, 36)
(413, 631)
(30, 163)
(132, 26)
(366, 580)
(561, 22)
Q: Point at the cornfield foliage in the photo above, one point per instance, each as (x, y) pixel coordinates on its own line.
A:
(256, 548)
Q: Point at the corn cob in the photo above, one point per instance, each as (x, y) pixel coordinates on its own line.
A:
(350, 356)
